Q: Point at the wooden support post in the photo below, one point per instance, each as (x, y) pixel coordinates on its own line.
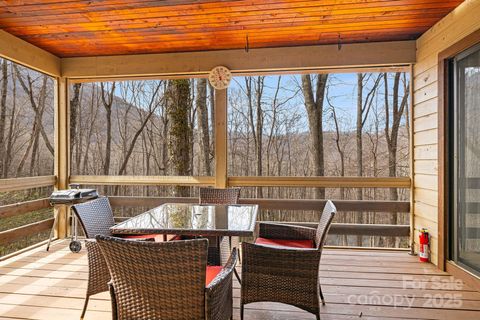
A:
(221, 138)
(412, 165)
(61, 151)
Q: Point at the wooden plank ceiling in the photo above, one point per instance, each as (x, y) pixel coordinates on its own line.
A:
(72, 28)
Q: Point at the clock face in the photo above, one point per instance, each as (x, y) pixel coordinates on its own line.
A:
(220, 77)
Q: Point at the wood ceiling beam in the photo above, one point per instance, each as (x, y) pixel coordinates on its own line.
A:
(24, 53)
(282, 59)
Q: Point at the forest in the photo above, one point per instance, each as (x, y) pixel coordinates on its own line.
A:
(338, 124)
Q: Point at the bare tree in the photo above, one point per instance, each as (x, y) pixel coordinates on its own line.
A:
(11, 133)
(38, 106)
(314, 100)
(391, 132)
(363, 110)
(340, 148)
(165, 124)
(152, 107)
(203, 124)
(254, 87)
(34, 160)
(211, 98)
(74, 110)
(90, 126)
(107, 99)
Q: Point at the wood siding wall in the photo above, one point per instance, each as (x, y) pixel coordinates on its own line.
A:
(458, 24)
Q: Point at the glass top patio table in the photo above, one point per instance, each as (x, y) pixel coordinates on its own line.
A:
(192, 219)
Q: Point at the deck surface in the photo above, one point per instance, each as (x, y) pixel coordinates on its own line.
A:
(363, 284)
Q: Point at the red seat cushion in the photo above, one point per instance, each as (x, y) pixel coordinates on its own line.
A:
(155, 237)
(139, 236)
(285, 243)
(176, 238)
(212, 272)
(170, 237)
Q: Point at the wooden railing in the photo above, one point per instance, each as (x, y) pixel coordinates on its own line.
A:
(16, 209)
(320, 182)
(143, 180)
(233, 181)
(16, 184)
(15, 234)
(11, 210)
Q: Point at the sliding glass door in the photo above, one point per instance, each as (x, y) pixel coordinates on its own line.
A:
(465, 160)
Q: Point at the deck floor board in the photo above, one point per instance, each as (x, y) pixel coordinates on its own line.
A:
(366, 284)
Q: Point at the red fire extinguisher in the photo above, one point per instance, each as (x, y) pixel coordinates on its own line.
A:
(424, 245)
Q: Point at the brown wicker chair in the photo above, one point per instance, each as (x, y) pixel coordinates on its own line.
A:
(283, 264)
(213, 196)
(96, 218)
(179, 289)
(219, 196)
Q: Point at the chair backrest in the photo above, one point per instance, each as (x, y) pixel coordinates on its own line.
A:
(96, 217)
(219, 196)
(154, 280)
(326, 219)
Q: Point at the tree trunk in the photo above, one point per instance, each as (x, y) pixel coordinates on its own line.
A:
(259, 131)
(359, 132)
(391, 135)
(359, 141)
(203, 124)
(107, 104)
(212, 116)
(364, 106)
(179, 131)
(34, 155)
(8, 153)
(74, 110)
(165, 125)
(93, 111)
(3, 113)
(314, 106)
(341, 154)
(19, 171)
(40, 109)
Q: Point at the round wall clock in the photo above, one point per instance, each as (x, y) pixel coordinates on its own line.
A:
(220, 77)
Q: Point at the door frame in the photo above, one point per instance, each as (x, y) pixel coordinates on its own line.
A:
(444, 140)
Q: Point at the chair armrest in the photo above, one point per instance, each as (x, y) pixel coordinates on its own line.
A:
(219, 293)
(286, 232)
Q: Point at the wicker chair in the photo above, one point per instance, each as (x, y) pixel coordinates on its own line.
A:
(213, 196)
(283, 264)
(182, 288)
(219, 196)
(96, 218)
